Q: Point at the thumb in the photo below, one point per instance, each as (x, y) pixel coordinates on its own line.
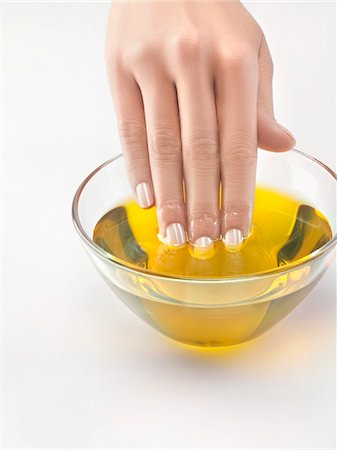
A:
(271, 135)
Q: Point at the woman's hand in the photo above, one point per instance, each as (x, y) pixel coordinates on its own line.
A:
(192, 89)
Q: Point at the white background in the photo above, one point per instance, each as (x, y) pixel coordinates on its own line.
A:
(79, 370)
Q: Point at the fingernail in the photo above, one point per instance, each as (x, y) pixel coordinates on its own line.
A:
(203, 247)
(175, 235)
(233, 239)
(285, 130)
(144, 195)
(203, 242)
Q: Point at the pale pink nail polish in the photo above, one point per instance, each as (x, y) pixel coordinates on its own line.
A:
(175, 234)
(144, 195)
(233, 239)
(203, 248)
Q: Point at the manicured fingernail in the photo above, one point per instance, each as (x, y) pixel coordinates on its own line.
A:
(175, 235)
(144, 195)
(204, 242)
(203, 247)
(233, 239)
(285, 130)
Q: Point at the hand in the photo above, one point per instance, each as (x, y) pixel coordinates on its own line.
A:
(192, 89)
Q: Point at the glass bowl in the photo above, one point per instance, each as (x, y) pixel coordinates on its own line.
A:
(212, 312)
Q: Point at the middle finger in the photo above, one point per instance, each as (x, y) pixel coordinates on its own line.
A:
(201, 162)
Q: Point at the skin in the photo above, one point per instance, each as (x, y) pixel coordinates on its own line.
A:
(191, 84)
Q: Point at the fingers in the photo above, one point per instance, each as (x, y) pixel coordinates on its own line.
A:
(128, 104)
(199, 135)
(164, 145)
(236, 88)
(199, 140)
(271, 135)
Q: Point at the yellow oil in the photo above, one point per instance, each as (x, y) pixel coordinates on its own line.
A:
(284, 230)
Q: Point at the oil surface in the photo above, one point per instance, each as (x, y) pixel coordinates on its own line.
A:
(283, 231)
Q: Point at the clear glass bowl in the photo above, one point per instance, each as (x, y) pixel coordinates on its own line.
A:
(212, 312)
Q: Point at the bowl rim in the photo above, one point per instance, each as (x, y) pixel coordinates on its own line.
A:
(111, 259)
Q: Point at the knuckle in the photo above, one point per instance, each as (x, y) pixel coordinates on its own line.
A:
(202, 149)
(167, 206)
(238, 62)
(132, 132)
(188, 46)
(165, 146)
(202, 212)
(140, 53)
(241, 156)
(240, 160)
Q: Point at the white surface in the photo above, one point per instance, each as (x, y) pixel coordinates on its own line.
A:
(79, 370)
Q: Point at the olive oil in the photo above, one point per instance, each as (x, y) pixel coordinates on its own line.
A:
(284, 230)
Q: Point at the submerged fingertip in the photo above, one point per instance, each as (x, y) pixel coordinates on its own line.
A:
(203, 248)
(233, 239)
